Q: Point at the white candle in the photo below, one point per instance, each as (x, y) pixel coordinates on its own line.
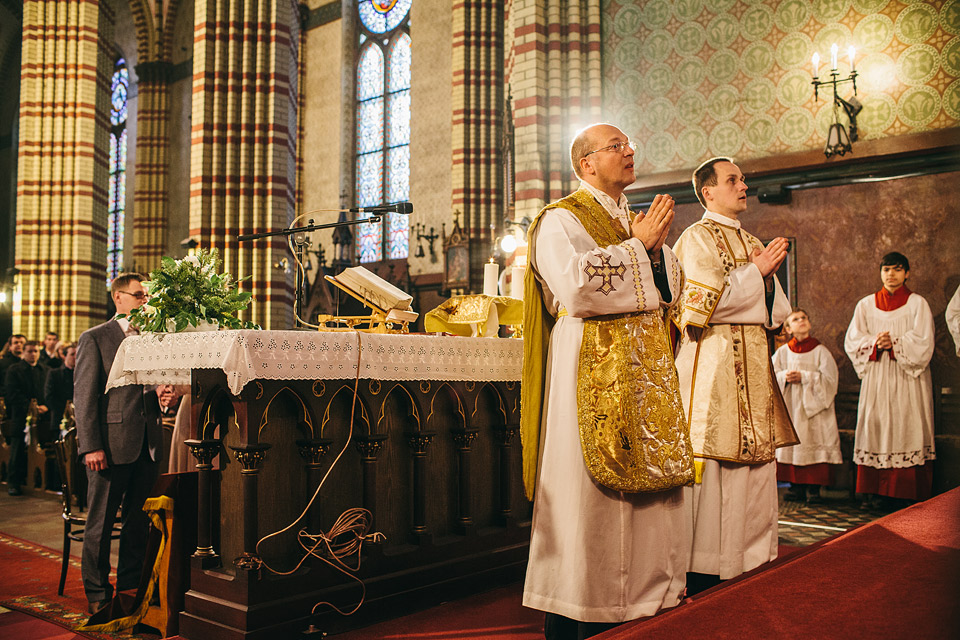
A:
(833, 56)
(851, 52)
(516, 282)
(816, 64)
(491, 274)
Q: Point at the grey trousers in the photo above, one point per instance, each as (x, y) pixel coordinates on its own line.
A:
(124, 487)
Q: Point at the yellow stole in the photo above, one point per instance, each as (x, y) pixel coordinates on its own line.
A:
(629, 411)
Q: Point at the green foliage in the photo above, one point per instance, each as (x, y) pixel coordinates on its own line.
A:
(189, 291)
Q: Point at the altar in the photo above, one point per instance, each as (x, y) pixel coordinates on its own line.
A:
(433, 455)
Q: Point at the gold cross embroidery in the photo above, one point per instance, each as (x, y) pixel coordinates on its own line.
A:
(606, 272)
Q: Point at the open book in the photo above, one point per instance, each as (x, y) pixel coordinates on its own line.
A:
(375, 292)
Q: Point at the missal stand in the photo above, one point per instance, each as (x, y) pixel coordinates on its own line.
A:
(299, 239)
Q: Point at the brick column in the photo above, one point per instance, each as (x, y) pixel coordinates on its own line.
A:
(62, 166)
(243, 161)
(557, 89)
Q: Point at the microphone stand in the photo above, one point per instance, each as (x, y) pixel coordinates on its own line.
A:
(299, 241)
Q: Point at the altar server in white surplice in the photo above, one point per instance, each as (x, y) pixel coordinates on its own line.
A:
(605, 448)
(890, 342)
(736, 414)
(952, 316)
(807, 375)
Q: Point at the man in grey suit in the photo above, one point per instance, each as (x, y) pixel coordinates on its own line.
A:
(119, 438)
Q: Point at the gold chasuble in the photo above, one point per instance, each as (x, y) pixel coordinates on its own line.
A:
(732, 401)
(630, 414)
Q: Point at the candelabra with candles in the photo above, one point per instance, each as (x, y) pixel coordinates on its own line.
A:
(838, 141)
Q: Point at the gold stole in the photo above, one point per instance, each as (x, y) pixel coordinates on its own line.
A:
(630, 415)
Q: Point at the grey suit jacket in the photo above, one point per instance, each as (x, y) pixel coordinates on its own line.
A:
(116, 421)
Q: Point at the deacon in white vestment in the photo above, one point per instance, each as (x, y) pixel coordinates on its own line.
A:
(952, 316)
(599, 554)
(807, 375)
(733, 405)
(890, 342)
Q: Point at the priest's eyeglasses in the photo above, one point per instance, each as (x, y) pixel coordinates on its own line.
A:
(619, 147)
(139, 295)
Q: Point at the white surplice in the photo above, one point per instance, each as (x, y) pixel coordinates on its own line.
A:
(895, 412)
(596, 555)
(952, 316)
(810, 403)
(735, 505)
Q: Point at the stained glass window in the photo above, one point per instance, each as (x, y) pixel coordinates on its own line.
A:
(383, 125)
(117, 187)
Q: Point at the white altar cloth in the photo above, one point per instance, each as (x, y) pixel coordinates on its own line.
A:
(245, 355)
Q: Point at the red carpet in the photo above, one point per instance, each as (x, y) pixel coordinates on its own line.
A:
(488, 616)
(897, 577)
(30, 574)
(15, 625)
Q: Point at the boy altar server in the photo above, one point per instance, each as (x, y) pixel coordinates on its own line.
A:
(807, 375)
(890, 342)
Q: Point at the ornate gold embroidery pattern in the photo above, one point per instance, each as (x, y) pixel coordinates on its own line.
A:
(606, 272)
(726, 257)
(748, 443)
(630, 414)
(697, 298)
(636, 274)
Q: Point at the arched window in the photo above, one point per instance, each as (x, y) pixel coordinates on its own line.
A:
(383, 125)
(117, 192)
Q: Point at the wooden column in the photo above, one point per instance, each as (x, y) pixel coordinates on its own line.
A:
(505, 437)
(313, 451)
(419, 441)
(369, 446)
(464, 439)
(249, 456)
(204, 451)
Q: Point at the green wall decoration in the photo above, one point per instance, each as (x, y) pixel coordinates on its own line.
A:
(694, 78)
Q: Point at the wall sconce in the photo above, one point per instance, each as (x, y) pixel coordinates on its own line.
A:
(838, 141)
(508, 243)
(420, 229)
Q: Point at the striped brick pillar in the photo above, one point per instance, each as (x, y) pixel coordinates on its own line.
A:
(66, 62)
(477, 101)
(556, 85)
(242, 165)
(150, 187)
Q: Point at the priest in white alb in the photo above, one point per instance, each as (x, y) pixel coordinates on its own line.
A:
(605, 447)
(890, 342)
(737, 418)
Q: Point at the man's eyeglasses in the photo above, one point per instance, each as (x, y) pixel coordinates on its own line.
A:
(619, 147)
(139, 295)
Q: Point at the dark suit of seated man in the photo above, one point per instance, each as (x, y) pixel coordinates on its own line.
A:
(119, 438)
(22, 384)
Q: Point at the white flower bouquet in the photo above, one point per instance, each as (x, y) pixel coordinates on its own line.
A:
(189, 292)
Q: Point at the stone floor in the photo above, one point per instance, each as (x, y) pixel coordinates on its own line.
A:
(802, 524)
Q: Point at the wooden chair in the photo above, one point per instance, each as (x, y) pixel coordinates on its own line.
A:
(73, 483)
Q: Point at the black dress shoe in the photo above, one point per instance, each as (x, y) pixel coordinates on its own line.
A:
(14, 491)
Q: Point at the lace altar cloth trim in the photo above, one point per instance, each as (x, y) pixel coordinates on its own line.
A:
(245, 355)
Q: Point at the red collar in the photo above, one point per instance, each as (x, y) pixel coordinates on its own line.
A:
(887, 301)
(803, 346)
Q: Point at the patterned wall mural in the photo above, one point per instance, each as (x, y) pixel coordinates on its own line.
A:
(694, 78)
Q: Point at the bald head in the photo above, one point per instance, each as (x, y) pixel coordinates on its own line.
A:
(602, 158)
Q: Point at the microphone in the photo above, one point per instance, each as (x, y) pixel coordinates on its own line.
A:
(398, 207)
